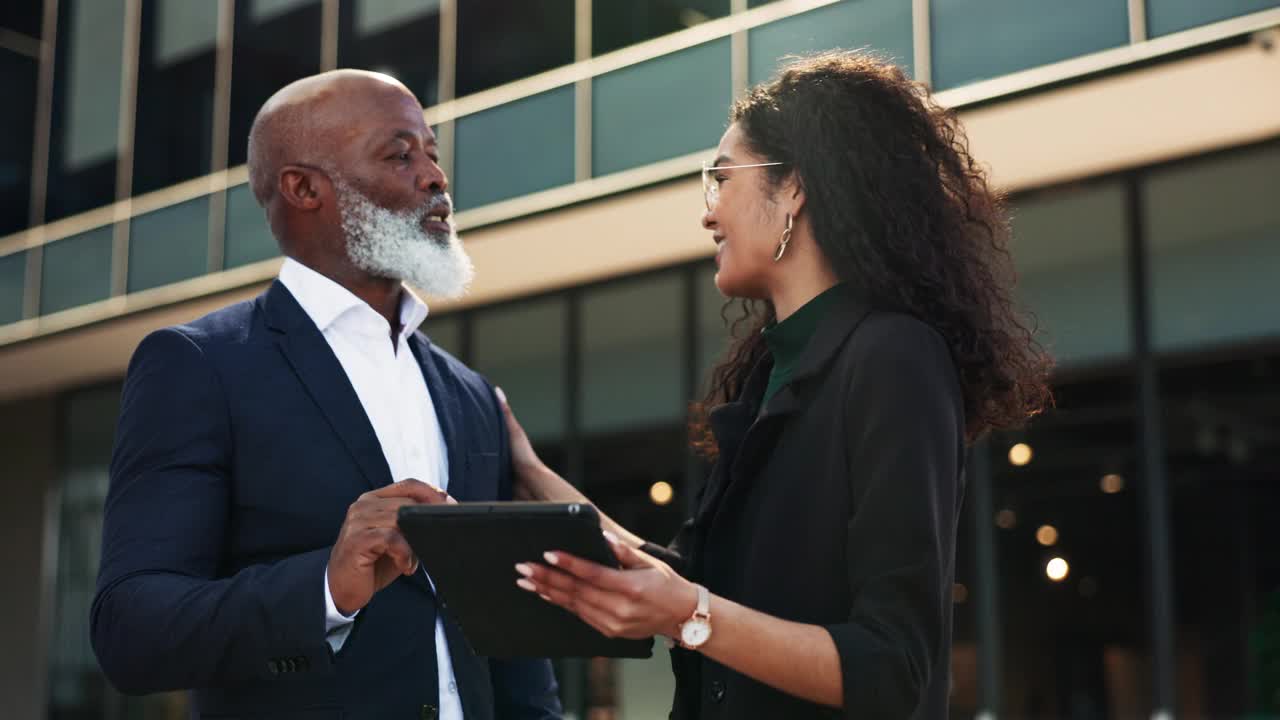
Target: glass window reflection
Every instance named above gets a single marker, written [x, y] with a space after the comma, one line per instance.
[618, 23]
[174, 116]
[501, 41]
[84, 142]
[262, 63]
[398, 37]
[13, 272]
[17, 131]
[1030, 32]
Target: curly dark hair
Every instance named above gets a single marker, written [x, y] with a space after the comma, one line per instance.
[904, 215]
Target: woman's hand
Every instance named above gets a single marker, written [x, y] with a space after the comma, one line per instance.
[643, 599]
[534, 481]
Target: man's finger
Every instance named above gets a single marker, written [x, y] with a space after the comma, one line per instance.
[398, 549]
[415, 490]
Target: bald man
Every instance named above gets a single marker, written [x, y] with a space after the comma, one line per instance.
[249, 549]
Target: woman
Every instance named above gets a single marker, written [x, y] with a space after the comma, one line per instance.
[815, 577]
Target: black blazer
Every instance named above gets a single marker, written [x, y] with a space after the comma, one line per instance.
[240, 445]
[837, 506]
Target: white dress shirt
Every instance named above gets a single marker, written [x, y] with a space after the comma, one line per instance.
[389, 383]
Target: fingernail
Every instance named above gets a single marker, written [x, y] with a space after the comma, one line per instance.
[612, 538]
[545, 597]
[501, 395]
[525, 584]
[552, 558]
[524, 569]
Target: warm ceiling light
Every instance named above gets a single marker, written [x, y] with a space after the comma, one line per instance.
[1006, 519]
[1111, 483]
[1020, 454]
[1047, 535]
[1057, 569]
[661, 493]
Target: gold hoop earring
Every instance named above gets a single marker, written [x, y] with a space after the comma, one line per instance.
[786, 238]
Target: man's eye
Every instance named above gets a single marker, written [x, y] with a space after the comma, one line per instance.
[720, 179]
[403, 156]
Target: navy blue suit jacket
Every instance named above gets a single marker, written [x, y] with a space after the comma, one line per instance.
[241, 444]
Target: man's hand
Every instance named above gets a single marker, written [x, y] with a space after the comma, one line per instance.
[370, 552]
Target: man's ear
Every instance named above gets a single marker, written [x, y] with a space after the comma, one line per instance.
[302, 187]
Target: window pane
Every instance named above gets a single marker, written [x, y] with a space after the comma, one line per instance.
[1075, 646]
[1224, 459]
[248, 237]
[631, 349]
[13, 273]
[521, 348]
[1070, 251]
[398, 37]
[76, 270]
[261, 64]
[619, 23]
[1169, 16]
[1213, 231]
[17, 127]
[77, 688]
[713, 332]
[169, 245]
[1030, 32]
[175, 92]
[445, 331]
[883, 26]
[633, 122]
[500, 41]
[82, 159]
[88, 426]
[514, 149]
[24, 16]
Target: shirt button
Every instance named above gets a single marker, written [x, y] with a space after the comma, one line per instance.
[428, 712]
[717, 691]
[453, 688]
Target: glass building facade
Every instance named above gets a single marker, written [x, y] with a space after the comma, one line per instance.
[1114, 559]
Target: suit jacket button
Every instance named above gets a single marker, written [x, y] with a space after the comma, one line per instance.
[428, 712]
[717, 691]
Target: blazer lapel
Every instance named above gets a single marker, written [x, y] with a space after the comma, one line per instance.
[444, 398]
[320, 372]
[761, 438]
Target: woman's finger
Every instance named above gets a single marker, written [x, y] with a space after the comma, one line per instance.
[593, 573]
[600, 612]
[629, 557]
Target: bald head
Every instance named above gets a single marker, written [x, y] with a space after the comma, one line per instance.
[305, 122]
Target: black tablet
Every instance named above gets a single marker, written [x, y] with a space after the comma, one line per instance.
[470, 551]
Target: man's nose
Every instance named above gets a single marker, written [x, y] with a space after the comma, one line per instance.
[432, 178]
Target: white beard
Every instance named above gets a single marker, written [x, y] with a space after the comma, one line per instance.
[390, 244]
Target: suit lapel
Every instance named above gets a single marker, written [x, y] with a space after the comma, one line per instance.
[320, 372]
[444, 398]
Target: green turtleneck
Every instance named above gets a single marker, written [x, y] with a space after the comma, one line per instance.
[788, 339]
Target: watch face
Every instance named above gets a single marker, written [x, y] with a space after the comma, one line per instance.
[695, 632]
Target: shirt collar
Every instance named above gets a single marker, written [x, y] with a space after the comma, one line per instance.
[325, 302]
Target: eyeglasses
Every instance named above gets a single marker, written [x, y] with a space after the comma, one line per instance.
[711, 189]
